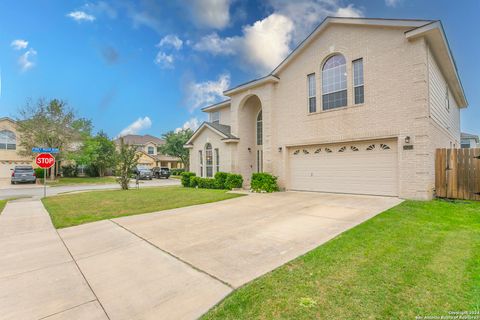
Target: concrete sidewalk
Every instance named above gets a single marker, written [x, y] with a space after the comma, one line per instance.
[38, 277]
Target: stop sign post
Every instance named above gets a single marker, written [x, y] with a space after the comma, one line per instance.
[45, 161]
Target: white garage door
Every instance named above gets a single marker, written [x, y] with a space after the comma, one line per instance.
[357, 167]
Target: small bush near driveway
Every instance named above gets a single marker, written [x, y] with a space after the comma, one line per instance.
[186, 178]
[264, 182]
[222, 180]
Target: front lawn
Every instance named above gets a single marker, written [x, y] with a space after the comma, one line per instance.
[416, 259]
[2, 205]
[64, 181]
[73, 209]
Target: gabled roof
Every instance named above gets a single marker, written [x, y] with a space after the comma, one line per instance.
[7, 119]
[222, 130]
[417, 28]
[217, 106]
[135, 139]
[464, 135]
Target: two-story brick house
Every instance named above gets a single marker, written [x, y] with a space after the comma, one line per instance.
[358, 107]
[9, 144]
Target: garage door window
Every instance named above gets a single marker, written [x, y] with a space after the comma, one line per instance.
[8, 140]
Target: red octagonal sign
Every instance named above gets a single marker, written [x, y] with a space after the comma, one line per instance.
[45, 160]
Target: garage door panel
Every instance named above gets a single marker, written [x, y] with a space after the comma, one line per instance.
[370, 170]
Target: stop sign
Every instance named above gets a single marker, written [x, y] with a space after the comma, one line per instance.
[45, 160]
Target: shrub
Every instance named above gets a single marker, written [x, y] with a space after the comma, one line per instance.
[193, 182]
[186, 178]
[69, 170]
[39, 173]
[233, 181]
[264, 182]
[177, 172]
[206, 183]
[91, 171]
[220, 179]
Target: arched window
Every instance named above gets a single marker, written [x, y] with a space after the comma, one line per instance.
[334, 82]
[259, 129]
[208, 161]
[8, 140]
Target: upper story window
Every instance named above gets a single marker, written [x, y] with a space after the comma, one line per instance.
[334, 82]
[215, 117]
[259, 129]
[208, 161]
[358, 87]
[312, 98]
[8, 140]
[151, 150]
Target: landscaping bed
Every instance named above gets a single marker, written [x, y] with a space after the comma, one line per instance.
[416, 259]
[74, 209]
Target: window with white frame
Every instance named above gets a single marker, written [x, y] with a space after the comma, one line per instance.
[259, 129]
[312, 98]
[334, 82]
[215, 117]
[200, 161]
[217, 160]
[151, 150]
[358, 86]
[8, 140]
[208, 161]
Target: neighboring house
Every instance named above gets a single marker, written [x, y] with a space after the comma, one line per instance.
[469, 140]
[9, 144]
[148, 147]
[358, 107]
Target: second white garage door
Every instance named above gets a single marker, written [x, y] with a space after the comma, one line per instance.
[357, 167]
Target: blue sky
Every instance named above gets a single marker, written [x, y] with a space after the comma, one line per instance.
[149, 66]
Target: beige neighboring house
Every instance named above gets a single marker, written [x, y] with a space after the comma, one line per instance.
[358, 107]
[469, 140]
[148, 147]
[9, 141]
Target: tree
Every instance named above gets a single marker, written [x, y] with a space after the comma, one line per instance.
[174, 145]
[50, 124]
[127, 160]
[97, 152]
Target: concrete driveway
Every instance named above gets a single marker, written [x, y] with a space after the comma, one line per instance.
[177, 264]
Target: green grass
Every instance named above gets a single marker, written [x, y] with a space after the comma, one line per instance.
[79, 180]
[416, 259]
[74, 209]
[2, 205]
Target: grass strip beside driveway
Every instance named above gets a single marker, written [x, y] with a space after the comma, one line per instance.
[64, 181]
[2, 205]
[416, 259]
[74, 209]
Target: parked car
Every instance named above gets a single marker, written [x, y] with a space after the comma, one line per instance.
[161, 172]
[23, 174]
[144, 174]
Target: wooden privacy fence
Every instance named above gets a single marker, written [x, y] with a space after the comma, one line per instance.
[457, 173]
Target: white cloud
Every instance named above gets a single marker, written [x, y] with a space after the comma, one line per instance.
[26, 60]
[210, 13]
[171, 40]
[163, 60]
[275, 30]
[265, 43]
[80, 16]
[136, 126]
[19, 44]
[215, 45]
[201, 94]
[192, 123]
[349, 11]
[392, 3]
